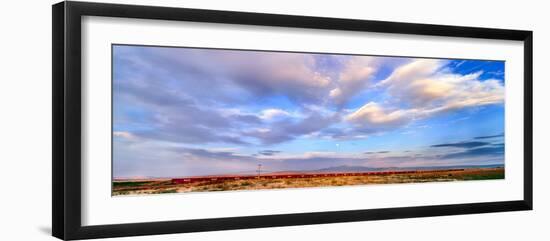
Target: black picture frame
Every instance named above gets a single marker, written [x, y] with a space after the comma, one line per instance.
[66, 128]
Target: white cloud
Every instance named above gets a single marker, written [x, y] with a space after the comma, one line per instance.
[427, 84]
[124, 134]
[422, 88]
[354, 77]
[373, 115]
[269, 114]
[293, 75]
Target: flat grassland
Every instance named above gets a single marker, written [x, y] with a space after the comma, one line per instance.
[159, 186]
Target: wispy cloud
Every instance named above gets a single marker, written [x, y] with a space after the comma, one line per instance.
[374, 117]
[470, 144]
[268, 152]
[489, 137]
[426, 87]
[356, 75]
[273, 113]
[474, 152]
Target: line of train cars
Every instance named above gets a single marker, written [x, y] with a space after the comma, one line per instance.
[213, 179]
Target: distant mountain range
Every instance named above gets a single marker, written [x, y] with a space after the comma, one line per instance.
[353, 169]
[374, 169]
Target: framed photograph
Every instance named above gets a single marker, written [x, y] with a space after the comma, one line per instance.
[170, 120]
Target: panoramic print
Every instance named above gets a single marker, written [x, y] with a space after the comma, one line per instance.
[203, 120]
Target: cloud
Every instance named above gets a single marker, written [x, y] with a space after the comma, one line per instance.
[289, 74]
[489, 137]
[273, 113]
[471, 149]
[263, 74]
[339, 133]
[236, 74]
[173, 90]
[423, 88]
[353, 78]
[470, 144]
[268, 152]
[289, 129]
[373, 117]
[250, 119]
[428, 84]
[207, 153]
[124, 134]
[155, 159]
[173, 116]
[173, 86]
[475, 152]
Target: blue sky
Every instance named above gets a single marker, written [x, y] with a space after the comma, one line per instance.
[190, 111]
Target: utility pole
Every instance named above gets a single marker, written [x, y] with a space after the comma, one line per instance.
[259, 171]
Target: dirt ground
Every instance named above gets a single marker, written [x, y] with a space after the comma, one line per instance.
[166, 186]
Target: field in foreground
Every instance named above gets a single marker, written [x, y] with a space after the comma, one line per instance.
[205, 184]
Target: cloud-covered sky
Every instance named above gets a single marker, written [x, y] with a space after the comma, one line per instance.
[191, 111]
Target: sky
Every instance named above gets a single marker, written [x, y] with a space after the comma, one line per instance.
[191, 111]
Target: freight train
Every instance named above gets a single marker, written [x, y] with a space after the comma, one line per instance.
[294, 175]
